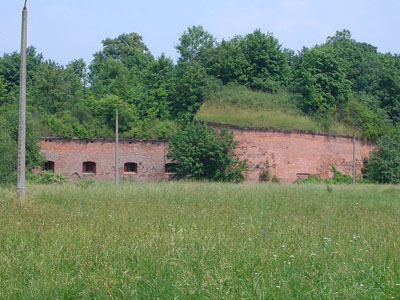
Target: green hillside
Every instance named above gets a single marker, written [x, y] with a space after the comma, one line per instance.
[246, 108]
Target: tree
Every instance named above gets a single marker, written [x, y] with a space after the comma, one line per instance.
[255, 60]
[8, 157]
[195, 44]
[187, 95]
[321, 80]
[202, 153]
[383, 166]
[8, 143]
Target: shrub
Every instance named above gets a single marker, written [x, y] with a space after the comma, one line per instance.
[338, 178]
[46, 177]
[383, 166]
[203, 153]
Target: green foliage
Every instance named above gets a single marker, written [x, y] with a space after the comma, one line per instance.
[195, 44]
[321, 80]
[46, 177]
[189, 85]
[383, 166]
[202, 153]
[8, 157]
[255, 60]
[338, 178]
[8, 143]
[343, 86]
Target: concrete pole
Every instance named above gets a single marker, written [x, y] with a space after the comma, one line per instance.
[116, 147]
[22, 109]
[354, 159]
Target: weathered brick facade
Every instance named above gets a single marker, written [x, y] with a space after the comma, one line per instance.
[290, 155]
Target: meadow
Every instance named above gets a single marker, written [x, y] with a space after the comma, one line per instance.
[200, 241]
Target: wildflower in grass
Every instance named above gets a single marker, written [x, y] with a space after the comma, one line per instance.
[278, 286]
[313, 254]
[291, 256]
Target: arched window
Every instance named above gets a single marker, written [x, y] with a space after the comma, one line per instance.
[89, 167]
[49, 166]
[169, 168]
[130, 167]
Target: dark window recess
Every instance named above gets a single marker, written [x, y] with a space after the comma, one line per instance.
[89, 167]
[49, 166]
[169, 168]
[130, 167]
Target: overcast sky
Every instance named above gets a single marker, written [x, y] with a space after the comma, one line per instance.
[64, 30]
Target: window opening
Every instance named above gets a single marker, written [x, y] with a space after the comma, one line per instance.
[49, 166]
[130, 167]
[89, 167]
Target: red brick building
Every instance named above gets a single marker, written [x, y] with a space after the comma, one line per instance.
[289, 155]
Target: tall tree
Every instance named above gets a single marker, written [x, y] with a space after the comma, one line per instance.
[195, 44]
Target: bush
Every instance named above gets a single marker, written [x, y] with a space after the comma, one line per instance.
[383, 166]
[202, 153]
[46, 177]
[338, 178]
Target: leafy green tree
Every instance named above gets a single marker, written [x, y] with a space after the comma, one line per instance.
[321, 80]
[188, 90]
[8, 157]
[383, 166]
[255, 60]
[202, 153]
[8, 143]
[195, 44]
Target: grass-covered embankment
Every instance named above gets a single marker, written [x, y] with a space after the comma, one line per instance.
[200, 240]
[242, 107]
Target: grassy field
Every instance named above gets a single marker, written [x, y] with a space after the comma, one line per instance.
[200, 240]
[246, 108]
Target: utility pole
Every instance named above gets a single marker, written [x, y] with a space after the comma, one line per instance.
[354, 159]
[116, 146]
[22, 109]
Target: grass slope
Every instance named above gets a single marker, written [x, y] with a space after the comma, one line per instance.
[246, 108]
[200, 240]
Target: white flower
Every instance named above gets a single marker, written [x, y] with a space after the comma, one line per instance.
[291, 256]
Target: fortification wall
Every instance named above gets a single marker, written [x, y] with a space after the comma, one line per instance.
[297, 155]
[69, 155]
[289, 155]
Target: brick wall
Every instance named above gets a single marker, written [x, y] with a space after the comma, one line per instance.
[290, 155]
[294, 155]
[69, 156]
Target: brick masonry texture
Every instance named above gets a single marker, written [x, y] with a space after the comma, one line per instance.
[289, 155]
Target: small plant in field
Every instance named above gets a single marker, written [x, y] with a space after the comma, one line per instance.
[266, 175]
[338, 178]
[46, 177]
[310, 179]
[275, 179]
[266, 172]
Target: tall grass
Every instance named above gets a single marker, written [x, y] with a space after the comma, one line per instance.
[200, 240]
[243, 107]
